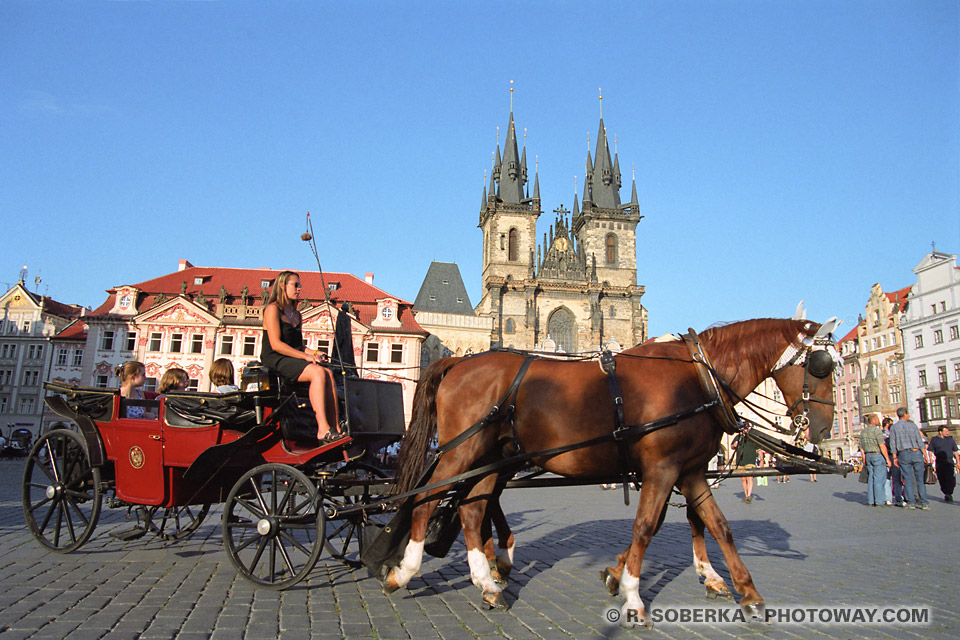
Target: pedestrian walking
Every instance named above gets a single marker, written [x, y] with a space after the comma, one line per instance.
[875, 458]
[906, 442]
[947, 458]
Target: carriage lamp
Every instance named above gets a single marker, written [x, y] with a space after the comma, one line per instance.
[256, 378]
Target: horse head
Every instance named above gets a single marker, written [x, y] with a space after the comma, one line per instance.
[804, 373]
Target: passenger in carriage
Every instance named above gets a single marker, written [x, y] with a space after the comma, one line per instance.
[283, 350]
[222, 377]
[174, 379]
[132, 374]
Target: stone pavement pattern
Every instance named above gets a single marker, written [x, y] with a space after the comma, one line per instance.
[805, 543]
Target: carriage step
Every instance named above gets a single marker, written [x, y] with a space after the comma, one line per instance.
[128, 534]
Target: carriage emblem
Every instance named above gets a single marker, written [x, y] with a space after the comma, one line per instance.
[136, 457]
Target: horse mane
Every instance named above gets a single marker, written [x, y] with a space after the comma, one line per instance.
[751, 347]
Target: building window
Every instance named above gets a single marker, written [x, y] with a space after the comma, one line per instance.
[952, 412]
[510, 326]
[264, 284]
[35, 352]
[611, 250]
[149, 384]
[78, 357]
[933, 308]
[323, 346]
[954, 332]
[866, 397]
[9, 351]
[938, 336]
[843, 395]
[922, 377]
[26, 328]
[895, 395]
[396, 353]
[131, 341]
[943, 306]
[956, 372]
[226, 346]
[101, 382]
[513, 250]
[155, 341]
[30, 378]
[918, 341]
[193, 385]
[3, 405]
[936, 409]
[249, 345]
[176, 343]
[883, 340]
[61, 357]
[942, 377]
[373, 352]
[5, 376]
[198, 280]
[106, 341]
[27, 405]
[196, 343]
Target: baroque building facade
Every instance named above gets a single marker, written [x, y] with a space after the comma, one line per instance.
[27, 322]
[931, 339]
[577, 290]
[191, 317]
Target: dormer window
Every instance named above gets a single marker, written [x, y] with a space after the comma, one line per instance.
[264, 284]
[198, 280]
[333, 286]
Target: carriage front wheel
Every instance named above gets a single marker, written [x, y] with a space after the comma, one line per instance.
[273, 526]
[61, 491]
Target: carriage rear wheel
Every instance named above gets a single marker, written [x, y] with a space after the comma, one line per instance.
[273, 526]
[351, 486]
[61, 491]
[174, 523]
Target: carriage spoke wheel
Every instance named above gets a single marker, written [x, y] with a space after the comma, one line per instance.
[272, 527]
[174, 523]
[61, 491]
[345, 534]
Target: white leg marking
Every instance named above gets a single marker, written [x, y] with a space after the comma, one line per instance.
[704, 568]
[412, 557]
[505, 556]
[480, 571]
[632, 609]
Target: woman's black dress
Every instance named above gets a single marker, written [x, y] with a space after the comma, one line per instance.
[289, 368]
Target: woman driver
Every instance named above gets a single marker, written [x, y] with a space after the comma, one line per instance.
[283, 350]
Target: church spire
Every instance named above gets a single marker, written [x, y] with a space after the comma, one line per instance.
[604, 180]
[510, 176]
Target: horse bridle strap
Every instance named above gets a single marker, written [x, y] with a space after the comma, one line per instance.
[708, 382]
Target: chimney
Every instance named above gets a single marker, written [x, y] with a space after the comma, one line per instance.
[368, 277]
[184, 264]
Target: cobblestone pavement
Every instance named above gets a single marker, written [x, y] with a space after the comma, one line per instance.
[807, 545]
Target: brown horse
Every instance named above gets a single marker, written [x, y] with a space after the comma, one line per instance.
[561, 403]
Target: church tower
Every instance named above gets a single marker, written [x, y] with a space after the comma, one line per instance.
[508, 219]
[576, 292]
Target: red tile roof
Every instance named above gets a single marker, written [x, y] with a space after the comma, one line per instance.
[73, 331]
[362, 295]
[899, 297]
[851, 335]
[56, 308]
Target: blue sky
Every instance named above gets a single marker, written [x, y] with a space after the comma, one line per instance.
[783, 150]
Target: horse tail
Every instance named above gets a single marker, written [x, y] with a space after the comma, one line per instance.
[423, 426]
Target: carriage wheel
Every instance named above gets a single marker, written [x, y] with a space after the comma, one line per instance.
[61, 491]
[174, 523]
[344, 539]
[272, 526]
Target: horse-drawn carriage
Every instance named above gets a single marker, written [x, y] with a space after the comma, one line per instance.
[286, 495]
[653, 414]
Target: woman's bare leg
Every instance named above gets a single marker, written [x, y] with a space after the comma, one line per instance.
[323, 397]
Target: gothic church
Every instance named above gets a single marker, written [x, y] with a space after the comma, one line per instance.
[577, 291]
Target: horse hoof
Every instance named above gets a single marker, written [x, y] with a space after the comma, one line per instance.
[498, 580]
[713, 594]
[389, 584]
[495, 601]
[753, 610]
[611, 583]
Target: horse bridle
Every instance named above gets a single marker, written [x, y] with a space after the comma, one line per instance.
[819, 358]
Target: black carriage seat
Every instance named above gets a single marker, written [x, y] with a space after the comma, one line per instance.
[95, 403]
[195, 409]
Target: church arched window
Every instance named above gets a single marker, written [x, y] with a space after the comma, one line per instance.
[562, 328]
[510, 326]
[513, 250]
[611, 250]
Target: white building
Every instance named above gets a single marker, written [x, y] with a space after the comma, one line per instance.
[27, 321]
[931, 337]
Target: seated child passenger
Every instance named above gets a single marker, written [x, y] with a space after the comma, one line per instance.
[132, 375]
[173, 380]
[221, 376]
